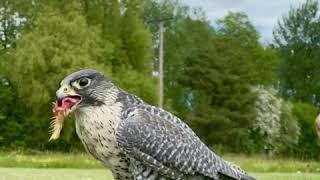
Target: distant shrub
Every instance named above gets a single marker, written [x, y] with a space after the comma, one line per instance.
[275, 128]
[308, 144]
[268, 111]
[11, 116]
[290, 130]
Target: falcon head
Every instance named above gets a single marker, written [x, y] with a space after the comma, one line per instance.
[81, 89]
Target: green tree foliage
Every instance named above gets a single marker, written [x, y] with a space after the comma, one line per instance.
[13, 15]
[208, 73]
[221, 96]
[180, 40]
[11, 21]
[11, 116]
[181, 33]
[237, 28]
[308, 145]
[62, 42]
[136, 39]
[290, 129]
[107, 14]
[122, 25]
[134, 65]
[296, 38]
[225, 65]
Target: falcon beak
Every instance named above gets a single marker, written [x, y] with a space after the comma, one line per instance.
[67, 100]
[65, 91]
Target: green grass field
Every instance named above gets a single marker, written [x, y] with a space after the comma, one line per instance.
[84, 161]
[59, 166]
[100, 174]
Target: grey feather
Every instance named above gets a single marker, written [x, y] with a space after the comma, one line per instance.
[138, 141]
[160, 140]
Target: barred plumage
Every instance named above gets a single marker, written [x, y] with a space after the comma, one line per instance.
[139, 141]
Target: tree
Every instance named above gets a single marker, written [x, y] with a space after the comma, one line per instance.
[181, 33]
[208, 73]
[237, 24]
[262, 61]
[308, 145]
[275, 129]
[11, 21]
[220, 96]
[122, 25]
[296, 38]
[62, 40]
[180, 46]
[59, 45]
[221, 73]
[11, 116]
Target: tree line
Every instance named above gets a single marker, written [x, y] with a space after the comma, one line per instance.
[238, 94]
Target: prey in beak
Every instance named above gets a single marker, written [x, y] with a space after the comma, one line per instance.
[66, 103]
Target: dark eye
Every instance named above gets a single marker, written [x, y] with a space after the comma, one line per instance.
[83, 82]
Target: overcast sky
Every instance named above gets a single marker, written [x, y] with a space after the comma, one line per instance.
[262, 13]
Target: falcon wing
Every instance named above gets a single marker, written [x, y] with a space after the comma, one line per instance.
[163, 142]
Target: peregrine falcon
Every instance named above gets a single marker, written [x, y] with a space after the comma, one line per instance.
[135, 140]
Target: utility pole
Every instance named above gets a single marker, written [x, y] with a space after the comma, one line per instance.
[161, 64]
[161, 22]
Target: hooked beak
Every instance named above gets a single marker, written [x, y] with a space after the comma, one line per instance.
[67, 100]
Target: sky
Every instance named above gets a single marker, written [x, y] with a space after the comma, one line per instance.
[264, 14]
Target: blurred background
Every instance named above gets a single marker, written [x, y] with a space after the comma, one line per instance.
[249, 88]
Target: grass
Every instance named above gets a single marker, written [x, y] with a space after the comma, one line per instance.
[53, 174]
[100, 174]
[267, 164]
[54, 166]
[84, 161]
[286, 176]
[48, 160]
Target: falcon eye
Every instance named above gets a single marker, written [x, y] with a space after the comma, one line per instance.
[83, 82]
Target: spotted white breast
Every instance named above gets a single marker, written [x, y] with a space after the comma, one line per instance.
[95, 127]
